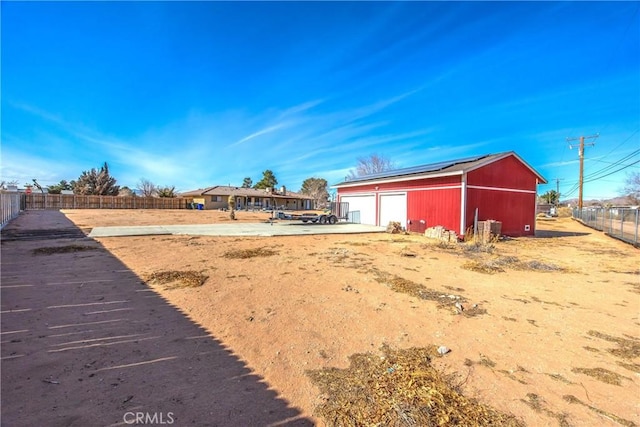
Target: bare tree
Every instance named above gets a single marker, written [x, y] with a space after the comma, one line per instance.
[316, 188]
[374, 163]
[5, 184]
[147, 188]
[632, 188]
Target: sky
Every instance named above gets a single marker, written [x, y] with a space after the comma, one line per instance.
[196, 94]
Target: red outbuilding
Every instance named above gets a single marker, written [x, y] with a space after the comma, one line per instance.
[500, 187]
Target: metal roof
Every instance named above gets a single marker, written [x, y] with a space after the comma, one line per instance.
[452, 167]
[432, 167]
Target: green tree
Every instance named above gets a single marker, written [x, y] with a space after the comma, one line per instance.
[551, 197]
[57, 188]
[247, 183]
[97, 183]
[316, 188]
[268, 180]
[126, 192]
[374, 163]
[166, 191]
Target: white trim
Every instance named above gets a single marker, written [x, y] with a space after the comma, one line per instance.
[451, 187]
[403, 190]
[392, 193]
[373, 193]
[514, 190]
[535, 210]
[397, 179]
[379, 204]
[463, 203]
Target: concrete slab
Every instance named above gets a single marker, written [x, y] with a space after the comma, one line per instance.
[236, 229]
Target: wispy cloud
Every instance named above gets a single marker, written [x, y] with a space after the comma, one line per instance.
[261, 132]
[557, 164]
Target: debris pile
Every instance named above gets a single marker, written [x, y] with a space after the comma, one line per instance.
[398, 388]
[394, 227]
[489, 231]
[177, 279]
[440, 233]
[249, 253]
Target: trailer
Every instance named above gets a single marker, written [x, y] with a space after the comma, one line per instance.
[336, 212]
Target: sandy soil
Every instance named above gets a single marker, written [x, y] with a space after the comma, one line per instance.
[320, 299]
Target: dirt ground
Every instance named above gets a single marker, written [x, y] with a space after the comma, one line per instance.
[559, 342]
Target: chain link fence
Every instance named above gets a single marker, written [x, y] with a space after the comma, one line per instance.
[621, 223]
[9, 207]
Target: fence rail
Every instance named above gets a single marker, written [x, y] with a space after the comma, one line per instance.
[621, 223]
[9, 207]
[74, 201]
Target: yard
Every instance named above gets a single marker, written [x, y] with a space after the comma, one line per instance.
[544, 328]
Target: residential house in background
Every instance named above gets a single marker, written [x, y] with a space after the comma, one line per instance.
[217, 197]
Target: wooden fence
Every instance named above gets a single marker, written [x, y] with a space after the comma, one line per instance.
[72, 201]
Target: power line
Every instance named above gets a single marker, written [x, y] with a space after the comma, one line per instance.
[592, 177]
[614, 164]
[622, 143]
[611, 173]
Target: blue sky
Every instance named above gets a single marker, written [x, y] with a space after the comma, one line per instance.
[204, 93]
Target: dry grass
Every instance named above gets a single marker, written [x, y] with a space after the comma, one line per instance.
[560, 378]
[601, 374]
[485, 361]
[63, 249]
[177, 279]
[574, 400]
[486, 267]
[536, 403]
[630, 366]
[444, 300]
[399, 388]
[498, 265]
[628, 348]
[249, 253]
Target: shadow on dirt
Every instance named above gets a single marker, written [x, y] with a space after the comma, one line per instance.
[548, 234]
[86, 342]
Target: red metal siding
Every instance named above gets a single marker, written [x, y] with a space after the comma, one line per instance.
[435, 207]
[513, 209]
[505, 173]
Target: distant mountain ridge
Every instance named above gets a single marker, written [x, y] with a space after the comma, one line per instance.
[616, 201]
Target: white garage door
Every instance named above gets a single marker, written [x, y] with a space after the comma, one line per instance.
[363, 207]
[393, 207]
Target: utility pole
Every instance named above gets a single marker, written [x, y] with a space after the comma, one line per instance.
[581, 155]
[558, 190]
